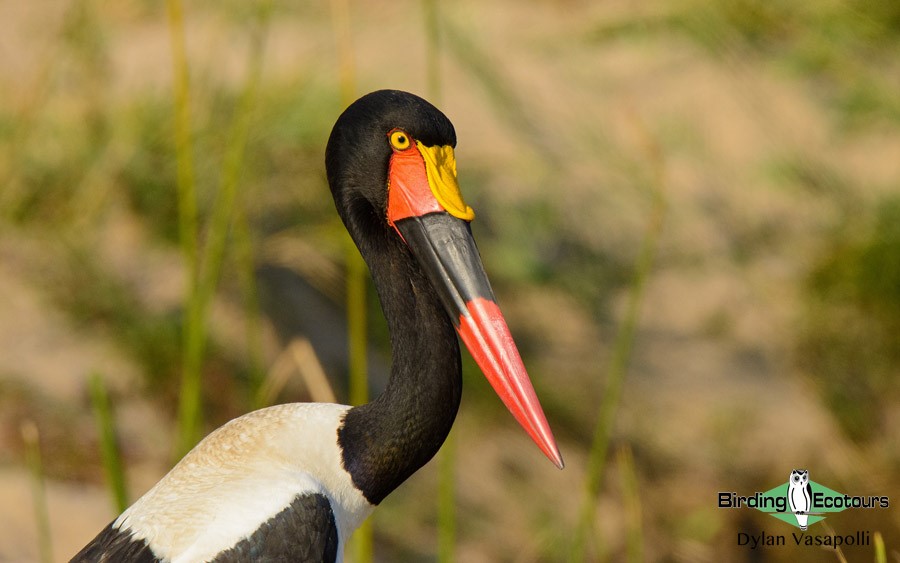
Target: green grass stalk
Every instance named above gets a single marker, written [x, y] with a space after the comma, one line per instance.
[621, 351]
[838, 552]
[356, 267]
[634, 540]
[356, 327]
[446, 508]
[447, 501]
[362, 542]
[189, 407]
[244, 254]
[226, 210]
[206, 272]
[32, 441]
[189, 404]
[246, 266]
[880, 552]
[112, 457]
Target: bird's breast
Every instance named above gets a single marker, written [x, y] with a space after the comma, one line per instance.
[241, 476]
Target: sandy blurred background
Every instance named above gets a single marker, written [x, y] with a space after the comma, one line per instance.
[749, 148]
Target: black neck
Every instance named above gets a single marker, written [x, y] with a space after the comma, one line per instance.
[388, 439]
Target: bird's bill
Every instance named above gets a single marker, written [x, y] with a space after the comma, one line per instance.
[438, 234]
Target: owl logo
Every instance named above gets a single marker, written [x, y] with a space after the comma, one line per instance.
[799, 494]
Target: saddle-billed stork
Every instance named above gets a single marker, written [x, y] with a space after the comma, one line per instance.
[292, 482]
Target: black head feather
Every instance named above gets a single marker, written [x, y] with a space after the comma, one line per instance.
[358, 153]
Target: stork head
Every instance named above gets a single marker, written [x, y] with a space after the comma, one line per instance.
[392, 171]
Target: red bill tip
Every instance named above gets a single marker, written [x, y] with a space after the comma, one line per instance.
[486, 335]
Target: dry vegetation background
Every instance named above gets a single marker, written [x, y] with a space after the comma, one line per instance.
[761, 136]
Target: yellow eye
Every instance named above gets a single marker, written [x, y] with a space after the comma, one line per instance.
[399, 139]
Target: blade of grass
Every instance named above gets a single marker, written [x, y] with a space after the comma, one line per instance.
[276, 378]
[622, 347]
[447, 501]
[299, 356]
[189, 404]
[364, 538]
[632, 499]
[311, 371]
[356, 267]
[362, 542]
[112, 457]
[226, 210]
[32, 440]
[838, 552]
[356, 324]
[880, 552]
[206, 274]
[446, 509]
[246, 266]
[244, 251]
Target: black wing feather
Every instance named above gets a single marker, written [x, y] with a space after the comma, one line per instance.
[113, 545]
[305, 532]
